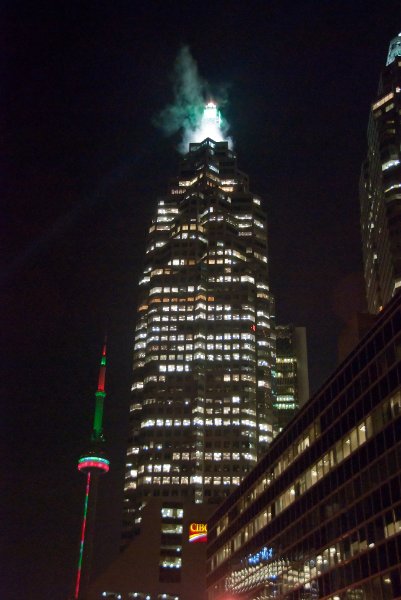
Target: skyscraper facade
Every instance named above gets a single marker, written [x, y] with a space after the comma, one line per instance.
[380, 187]
[201, 409]
[291, 374]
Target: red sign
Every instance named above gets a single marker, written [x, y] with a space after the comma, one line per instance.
[198, 532]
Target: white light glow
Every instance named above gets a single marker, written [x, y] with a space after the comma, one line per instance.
[211, 126]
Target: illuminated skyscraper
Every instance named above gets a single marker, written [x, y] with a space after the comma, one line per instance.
[201, 409]
[201, 412]
[380, 187]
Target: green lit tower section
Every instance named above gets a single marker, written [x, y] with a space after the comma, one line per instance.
[93, 463]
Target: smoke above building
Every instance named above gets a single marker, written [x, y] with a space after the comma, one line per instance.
[192, 112]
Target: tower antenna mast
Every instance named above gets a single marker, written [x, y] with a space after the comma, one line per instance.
[93, 463]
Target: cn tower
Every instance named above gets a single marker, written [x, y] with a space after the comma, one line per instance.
[93, 463]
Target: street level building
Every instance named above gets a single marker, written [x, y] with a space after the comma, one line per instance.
[380, 187]
[166, 561]
[320, 515]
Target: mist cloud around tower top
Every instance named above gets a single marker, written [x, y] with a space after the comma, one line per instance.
[192, 112]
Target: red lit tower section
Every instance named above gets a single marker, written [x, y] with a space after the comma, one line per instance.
[93, 463]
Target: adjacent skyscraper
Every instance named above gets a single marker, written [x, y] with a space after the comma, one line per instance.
[201, 411]
[291, 374]
[380, 187]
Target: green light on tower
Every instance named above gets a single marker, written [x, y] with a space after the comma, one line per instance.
[97, 434]
[98, 418]
[94, 463]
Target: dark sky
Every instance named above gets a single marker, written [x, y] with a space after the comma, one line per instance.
[82, 168]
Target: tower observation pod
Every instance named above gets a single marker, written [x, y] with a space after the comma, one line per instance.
[92, 463]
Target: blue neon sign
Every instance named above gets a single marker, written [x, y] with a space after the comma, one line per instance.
[263, 555]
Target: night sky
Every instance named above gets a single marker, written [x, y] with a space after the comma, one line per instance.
[83, 165]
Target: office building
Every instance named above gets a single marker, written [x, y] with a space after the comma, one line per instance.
[165, 561]
[380, 187]
[291, 388]
[201, 412]
[320, 515]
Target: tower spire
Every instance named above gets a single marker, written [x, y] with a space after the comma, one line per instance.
[97, 433]
[93, 463]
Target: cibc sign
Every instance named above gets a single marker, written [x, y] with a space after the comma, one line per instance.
[198, 532]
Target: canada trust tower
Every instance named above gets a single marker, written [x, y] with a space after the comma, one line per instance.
[201, 412]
